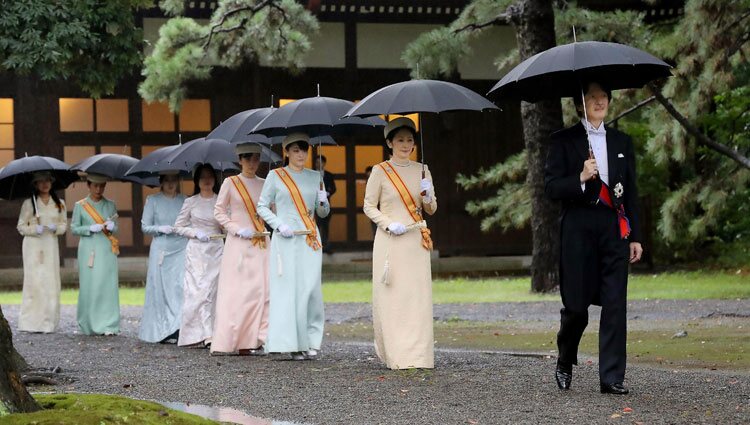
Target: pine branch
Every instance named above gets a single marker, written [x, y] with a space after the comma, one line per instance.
[629, 111]
[254, 9]
[510, 15]
[695, 132]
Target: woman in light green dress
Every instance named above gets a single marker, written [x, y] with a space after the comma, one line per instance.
[296, 317]
[98, 298]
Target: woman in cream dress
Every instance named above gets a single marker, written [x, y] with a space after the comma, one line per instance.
[42, 220]
[401, 270]
[202, 259]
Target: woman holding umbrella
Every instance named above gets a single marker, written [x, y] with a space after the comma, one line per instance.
[242, 299]
[395, 197]
[43, 218]
[166, 263]
[202, 258]
[296, 305]
[94, 220]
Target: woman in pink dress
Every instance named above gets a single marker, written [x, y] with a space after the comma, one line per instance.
[241, 323]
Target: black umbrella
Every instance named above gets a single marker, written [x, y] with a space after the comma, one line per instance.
[315, 116]
[559, 71]
[114, 166]
[144, 167]
[419, 96]
[236, 128]
[15, 178]
[219, 153]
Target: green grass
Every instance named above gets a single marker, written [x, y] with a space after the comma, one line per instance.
[708, 345]
[96, 409]
[682, 285]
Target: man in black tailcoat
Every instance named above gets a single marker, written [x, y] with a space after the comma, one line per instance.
[600, 235]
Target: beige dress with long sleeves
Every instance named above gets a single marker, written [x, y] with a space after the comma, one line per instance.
[402, 300]
[40, 302]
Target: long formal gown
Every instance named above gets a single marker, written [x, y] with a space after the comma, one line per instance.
[202, 264]
[402, 300]
[166, 269]
[40, 301]
[242, 298]
[98, 296]
[296, 310]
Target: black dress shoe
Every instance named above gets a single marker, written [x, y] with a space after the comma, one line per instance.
[616, 388]
[563, 376]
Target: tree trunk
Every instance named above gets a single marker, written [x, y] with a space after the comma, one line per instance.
[535, 32]
[13, 395]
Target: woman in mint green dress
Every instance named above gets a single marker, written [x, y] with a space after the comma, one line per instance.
[296, 317]
[98, 299]
[166, 264]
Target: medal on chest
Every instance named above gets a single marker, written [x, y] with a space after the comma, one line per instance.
[618, 190]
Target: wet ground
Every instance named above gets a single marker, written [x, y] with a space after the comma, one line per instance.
[348, 385]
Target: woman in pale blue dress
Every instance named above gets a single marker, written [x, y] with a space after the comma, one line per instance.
[296, 311]
[98, 310]
[166, 264]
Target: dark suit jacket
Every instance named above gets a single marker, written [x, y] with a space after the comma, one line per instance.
[567, 153]
[329, 183]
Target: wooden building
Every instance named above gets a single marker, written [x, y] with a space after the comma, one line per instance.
[357, 50]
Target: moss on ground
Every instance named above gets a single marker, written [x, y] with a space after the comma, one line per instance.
[96, 409]
[707, 345]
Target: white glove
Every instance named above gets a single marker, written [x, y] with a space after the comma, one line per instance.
[425, 186]
[52, 227]
[202, 236]
[397, 228]
[285, 231]
[96, 228]
[167, 230]
[110, 225]
[245, 233]
[39, 229]
[323, 196]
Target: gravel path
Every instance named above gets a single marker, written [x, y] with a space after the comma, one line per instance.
[348, 385]
[549, 311]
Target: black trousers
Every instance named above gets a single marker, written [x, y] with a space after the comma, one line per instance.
[594, 270]
[323, 225]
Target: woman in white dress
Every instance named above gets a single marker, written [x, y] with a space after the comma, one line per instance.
[42, 220]
[202, 259]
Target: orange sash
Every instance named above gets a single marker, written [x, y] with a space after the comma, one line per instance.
[408, 201]
[299, 202]
[99, 220]
[259, 241]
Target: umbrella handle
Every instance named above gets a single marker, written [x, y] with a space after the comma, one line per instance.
[321, 188]
[424, 192]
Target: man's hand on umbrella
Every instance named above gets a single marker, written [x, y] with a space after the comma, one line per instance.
[635, 252]
[590, 170]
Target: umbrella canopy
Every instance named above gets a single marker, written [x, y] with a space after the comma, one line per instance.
[219, 153]
[416, 96]
[419, 96]
[236, 128]
[144, 167]
[559, 71]
[15, 178]
[114, 166]
[316, 116]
